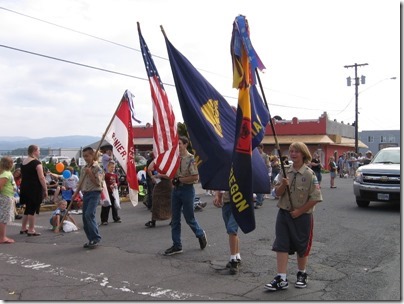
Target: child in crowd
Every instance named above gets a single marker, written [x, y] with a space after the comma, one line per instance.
[7, 185]
[112, 181]
[69, 185]
[17, 207]
[58, 214]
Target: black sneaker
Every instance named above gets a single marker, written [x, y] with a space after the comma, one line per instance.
[91, 245]
[172, 250]
[228, 265]
[203, 241]
[202, 205]
[150, 224]
[277, 284]
[301, 281]
[234, 265]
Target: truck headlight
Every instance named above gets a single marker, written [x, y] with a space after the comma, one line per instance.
[358, 177]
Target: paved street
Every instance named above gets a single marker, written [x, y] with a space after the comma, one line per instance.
[355, 256]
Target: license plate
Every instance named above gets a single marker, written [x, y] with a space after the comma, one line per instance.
[383, 196]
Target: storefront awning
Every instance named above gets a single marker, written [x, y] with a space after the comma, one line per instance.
[312, 139]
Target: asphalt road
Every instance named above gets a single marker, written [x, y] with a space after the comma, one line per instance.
[355, 256]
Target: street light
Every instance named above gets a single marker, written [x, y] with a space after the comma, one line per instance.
[356, 97]
[388, 78]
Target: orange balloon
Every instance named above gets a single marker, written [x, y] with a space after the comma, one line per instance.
[60, 167]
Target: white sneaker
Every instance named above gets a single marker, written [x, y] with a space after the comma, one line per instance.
[73, 211]
[79, 211]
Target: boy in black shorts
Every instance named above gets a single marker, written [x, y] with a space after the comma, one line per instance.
[294, 222]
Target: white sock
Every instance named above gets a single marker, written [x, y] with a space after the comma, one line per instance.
[233, 257]
[238, 256]
[283, 276]
[304, 270]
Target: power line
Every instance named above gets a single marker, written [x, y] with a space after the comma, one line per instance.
[120, 45]
[73, 30]
[72, 62]
[128, 75]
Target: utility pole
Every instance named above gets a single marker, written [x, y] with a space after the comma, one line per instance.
[356, 97]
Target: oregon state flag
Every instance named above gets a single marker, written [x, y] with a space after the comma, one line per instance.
[245, 61]
[211, 124]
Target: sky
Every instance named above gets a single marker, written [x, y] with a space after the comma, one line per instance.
[303, 44]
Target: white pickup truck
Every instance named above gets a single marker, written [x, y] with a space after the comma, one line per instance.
[380, 179]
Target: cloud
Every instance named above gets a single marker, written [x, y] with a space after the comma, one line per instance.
[304, 45]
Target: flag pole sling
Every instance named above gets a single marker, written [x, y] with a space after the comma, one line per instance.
[95, 157]
[275, 137]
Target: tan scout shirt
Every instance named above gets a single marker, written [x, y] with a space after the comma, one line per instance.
[303, 186]
[187, 166]
[88, 184]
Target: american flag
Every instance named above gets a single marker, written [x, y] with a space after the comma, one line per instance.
[165, 136]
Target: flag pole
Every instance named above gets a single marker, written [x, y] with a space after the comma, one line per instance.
[162, 30]
[275, 137]
[95, 157]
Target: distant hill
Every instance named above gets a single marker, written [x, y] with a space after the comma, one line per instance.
[73, 141]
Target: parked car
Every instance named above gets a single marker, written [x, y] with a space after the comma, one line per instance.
[56, 159]
[379, 180]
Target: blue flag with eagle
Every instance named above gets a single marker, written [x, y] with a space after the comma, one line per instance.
[245, 61]
[211, 122]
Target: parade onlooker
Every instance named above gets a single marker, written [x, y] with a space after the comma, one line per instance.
[52, 183]
[75, 167]
[61, 213]
[222, 200]
[18, 206]
[69, 183]
[265, 158]
[17, 178]
[333, 171]
[33, 189]
[7, 186]
[209, 192]
[276, 167]
[106, 157]
[18, 163]
[355, 164]
[368, 157]
[161, 197]
[294, 222]
[182, 199]
[112, 181]
[149, 181]
[90, 184]
[316, 167]
[341, 165]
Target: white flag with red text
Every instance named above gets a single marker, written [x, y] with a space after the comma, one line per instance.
[120, 136]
